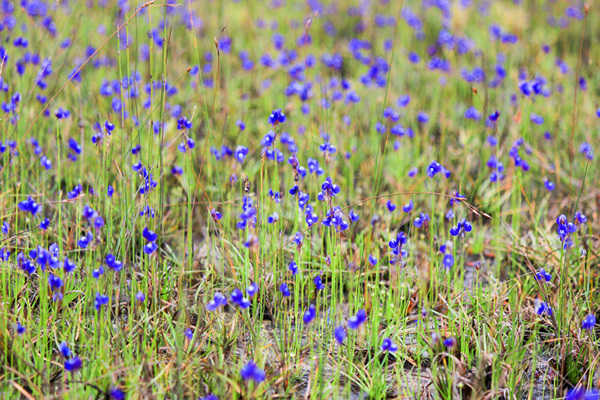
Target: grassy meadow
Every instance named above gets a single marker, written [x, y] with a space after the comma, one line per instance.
[320, 199]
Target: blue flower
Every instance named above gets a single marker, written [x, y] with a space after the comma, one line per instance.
[293, 267]
[388, 345]
[357, 320]
[450, 342]
[328, 189]
[285, 291]
[100, 301]
[403, 100]
[218, 300]
[68, 265]
[372, 260]
[251, 371]
[44, 224]
[237, 297]
[420, 220]
[543, 275]
[216, 215]
[64, 350]
[589, 322]
[448, 261]
[310, 314]
[117, 394]
[536, 119]
[577, 393]
[149, 235]
[340, 334]
[298, 239]
[55, 284]
[473, 114]
[542, 308]
[240, 153]
[19, 328]
[29, 205]
[113, 263]
[435, 167]
[98, 272]
[318, 283]
[586, 150]
[252, 289]
[276, 117]
[390, 206]
[73, 364]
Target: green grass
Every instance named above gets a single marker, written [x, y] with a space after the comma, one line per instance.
[485, 301]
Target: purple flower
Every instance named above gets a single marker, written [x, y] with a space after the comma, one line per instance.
[19, 328]
[357, 320]
[276, 117]
[64, 350]
[390, 206]
[589, 322]
[284, 289]
[251, 371]
[237, 297]
[310, 314]
[542, 275]
[218, 300]
[73, 364]
[140, 297]
[450, 342]
[448, 261]
[293, 267]
[318, 283]
[252, 289]
[117, 394]
[542, 308]
[372, 260]
[100, 301]
[340, 334]
[388, 345]
[473, 114]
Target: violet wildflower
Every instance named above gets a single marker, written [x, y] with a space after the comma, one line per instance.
[390, 206]
[589, 322]
[388, 345]
[252, 289]
[542, 275]
[284, 289]
[449, 342]
[73, 364]
[251, 371]
[340, 334]
[276, 117]
[140, 297]
[318, 283]
[100, 300]
[357, 320]
[217, 301]
[542, 308]
[20, 329]
[237, 297]
[309, 314]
